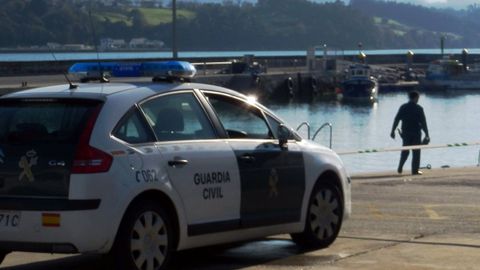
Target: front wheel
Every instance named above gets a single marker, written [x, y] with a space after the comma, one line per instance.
[324, 218]
[145, 239]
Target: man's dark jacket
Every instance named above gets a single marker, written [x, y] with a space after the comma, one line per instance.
[413, 120]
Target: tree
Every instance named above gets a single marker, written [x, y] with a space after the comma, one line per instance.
[38, 7]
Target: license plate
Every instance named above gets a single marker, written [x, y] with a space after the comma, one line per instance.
[9, 220]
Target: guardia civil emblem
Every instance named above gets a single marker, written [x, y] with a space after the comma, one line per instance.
[273, 183]
[26, 163]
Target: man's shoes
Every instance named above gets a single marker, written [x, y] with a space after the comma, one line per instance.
[417, 173]
[399, 170]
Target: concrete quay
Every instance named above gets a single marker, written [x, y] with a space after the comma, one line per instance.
[272, 85]
[12, 68]
[399, 222]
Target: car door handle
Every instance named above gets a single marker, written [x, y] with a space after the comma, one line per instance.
[177, 162]
[247, 158]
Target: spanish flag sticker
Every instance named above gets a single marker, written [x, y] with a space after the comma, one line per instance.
[50, 220]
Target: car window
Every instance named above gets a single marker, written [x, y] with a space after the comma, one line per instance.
[133, 129]
[240, 119]
[178, 117]
[274, 125]
[43, 120]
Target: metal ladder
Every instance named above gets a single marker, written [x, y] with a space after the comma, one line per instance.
[306, 124]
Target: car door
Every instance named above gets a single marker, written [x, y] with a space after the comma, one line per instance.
[202, 167]
[272, 177]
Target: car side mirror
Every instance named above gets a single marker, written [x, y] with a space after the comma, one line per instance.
[284, 134]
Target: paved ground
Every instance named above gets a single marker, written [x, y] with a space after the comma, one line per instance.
[399, 222]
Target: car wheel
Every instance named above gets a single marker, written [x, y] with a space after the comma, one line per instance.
[3, 254]
[145, 239]
[324, 218]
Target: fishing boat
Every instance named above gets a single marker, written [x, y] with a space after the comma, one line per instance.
[448, 74]
[359, 85]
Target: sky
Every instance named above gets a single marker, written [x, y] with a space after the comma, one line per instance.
[443, 3]
[458, 4]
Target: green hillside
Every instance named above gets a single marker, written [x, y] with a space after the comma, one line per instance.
[420, 26]
[265, 25]
[152, 16]
[396, 27]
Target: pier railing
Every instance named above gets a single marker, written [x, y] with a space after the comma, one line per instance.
[306, 124]
[330, 126]
[412, 147]
[383, 150]
[404, 148]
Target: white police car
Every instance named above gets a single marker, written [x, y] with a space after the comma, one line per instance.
[142, 170]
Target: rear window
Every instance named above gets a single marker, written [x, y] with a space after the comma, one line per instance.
[43, 120]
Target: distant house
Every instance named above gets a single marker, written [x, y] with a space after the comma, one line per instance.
[54, 45]
[109, 43]
[152, 3]
[75, 47]
[136, 3]
[118, 43]
[143, 43]
[155, 44]
[137, 43]
[108, 3]
[130, 3]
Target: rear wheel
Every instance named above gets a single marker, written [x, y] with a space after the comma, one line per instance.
[324, 218]
[145, 239]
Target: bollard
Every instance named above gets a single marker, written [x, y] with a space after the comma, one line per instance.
[478, 163]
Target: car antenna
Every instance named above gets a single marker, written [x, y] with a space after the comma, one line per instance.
[102, 78]
[72, 86]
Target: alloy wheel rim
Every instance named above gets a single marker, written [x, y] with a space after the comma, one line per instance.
[324, 218]
[149, 241]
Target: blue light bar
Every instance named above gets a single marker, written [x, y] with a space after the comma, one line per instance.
[169, 69]
[179, 69]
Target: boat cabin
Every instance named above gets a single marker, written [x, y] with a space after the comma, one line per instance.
[359, 71]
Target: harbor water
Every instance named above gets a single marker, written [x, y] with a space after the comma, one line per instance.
[48, 56]
[452, 118]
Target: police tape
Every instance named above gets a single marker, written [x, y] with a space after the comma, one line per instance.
[403, 148]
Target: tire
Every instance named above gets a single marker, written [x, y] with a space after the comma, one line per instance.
[3, 254]
[324, 218]
[145, 239]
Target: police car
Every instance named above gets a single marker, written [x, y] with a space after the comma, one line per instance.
[139, 171]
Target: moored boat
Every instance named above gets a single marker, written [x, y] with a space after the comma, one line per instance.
[359, 85]
[447, 74]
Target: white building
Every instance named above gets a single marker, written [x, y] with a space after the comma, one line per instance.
[109, 43]
[142, 43]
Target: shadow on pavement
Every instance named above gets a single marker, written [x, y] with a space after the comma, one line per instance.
[90, 262]
[413, 241]
[225, 257]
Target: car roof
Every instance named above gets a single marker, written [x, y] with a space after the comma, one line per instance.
[103, 90]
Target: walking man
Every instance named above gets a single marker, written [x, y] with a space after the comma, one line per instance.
[413, 122]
